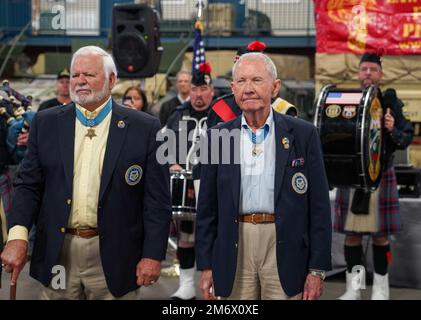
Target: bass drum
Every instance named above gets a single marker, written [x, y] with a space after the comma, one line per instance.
[349, 122]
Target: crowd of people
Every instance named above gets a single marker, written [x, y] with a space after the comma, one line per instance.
[98, 201]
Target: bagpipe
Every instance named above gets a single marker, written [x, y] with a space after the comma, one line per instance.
[16, 109]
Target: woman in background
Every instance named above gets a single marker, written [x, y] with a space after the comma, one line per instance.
[135, 98]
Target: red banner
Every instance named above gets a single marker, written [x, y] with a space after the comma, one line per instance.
[392, 26]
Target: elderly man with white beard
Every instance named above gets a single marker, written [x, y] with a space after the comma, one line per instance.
[92, 184]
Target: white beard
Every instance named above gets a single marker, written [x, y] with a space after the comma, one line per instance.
[84, 100]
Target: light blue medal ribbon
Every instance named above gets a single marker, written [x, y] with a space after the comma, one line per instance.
[257, 139]
[98, 119]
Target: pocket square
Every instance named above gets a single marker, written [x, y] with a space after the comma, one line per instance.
[297, 162]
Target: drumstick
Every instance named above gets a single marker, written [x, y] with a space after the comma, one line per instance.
[13, 290]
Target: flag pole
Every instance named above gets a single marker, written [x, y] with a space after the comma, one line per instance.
[200, 6]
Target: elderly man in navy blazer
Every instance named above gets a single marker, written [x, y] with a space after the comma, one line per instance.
[263, 221]
[91, 183]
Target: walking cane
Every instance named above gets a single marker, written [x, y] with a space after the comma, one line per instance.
[13, 289]
[2, 241]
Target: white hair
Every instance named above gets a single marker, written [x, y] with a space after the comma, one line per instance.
[269, 65]
[107, 59]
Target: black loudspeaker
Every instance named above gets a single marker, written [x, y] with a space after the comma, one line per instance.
[136, 41]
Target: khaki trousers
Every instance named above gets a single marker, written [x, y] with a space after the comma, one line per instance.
[84, 276]
[256, 276]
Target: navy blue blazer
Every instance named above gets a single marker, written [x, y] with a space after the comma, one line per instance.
[133, 221]
[303, 221]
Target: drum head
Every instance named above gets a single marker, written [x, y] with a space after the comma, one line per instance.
[372, 142]
[349, 125]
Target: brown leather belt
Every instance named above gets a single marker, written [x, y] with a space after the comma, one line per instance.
[83, 232]
[257, 218]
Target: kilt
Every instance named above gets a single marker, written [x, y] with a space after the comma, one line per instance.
[187, 230]
[388, 207]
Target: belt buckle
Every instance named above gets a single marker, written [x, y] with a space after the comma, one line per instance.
[80, 230]
[252, 218]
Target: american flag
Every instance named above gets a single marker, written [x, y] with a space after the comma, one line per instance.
[344, 97]
[199, 56]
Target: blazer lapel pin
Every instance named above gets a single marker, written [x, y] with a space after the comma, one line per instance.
[121, 124]
[285, 143]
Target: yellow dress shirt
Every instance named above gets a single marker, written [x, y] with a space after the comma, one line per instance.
[87, 169]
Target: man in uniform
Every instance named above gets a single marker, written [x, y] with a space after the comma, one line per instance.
[263, 219]
[62, 91]
[398, 135]
[91, 183]
[201, 95]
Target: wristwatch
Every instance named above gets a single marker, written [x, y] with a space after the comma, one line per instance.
[318, 273]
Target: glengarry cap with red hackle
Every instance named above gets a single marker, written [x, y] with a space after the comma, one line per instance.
[203, 75]
[256, 46]
[373, 57]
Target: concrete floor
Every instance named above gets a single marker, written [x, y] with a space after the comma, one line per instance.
[28, 288]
